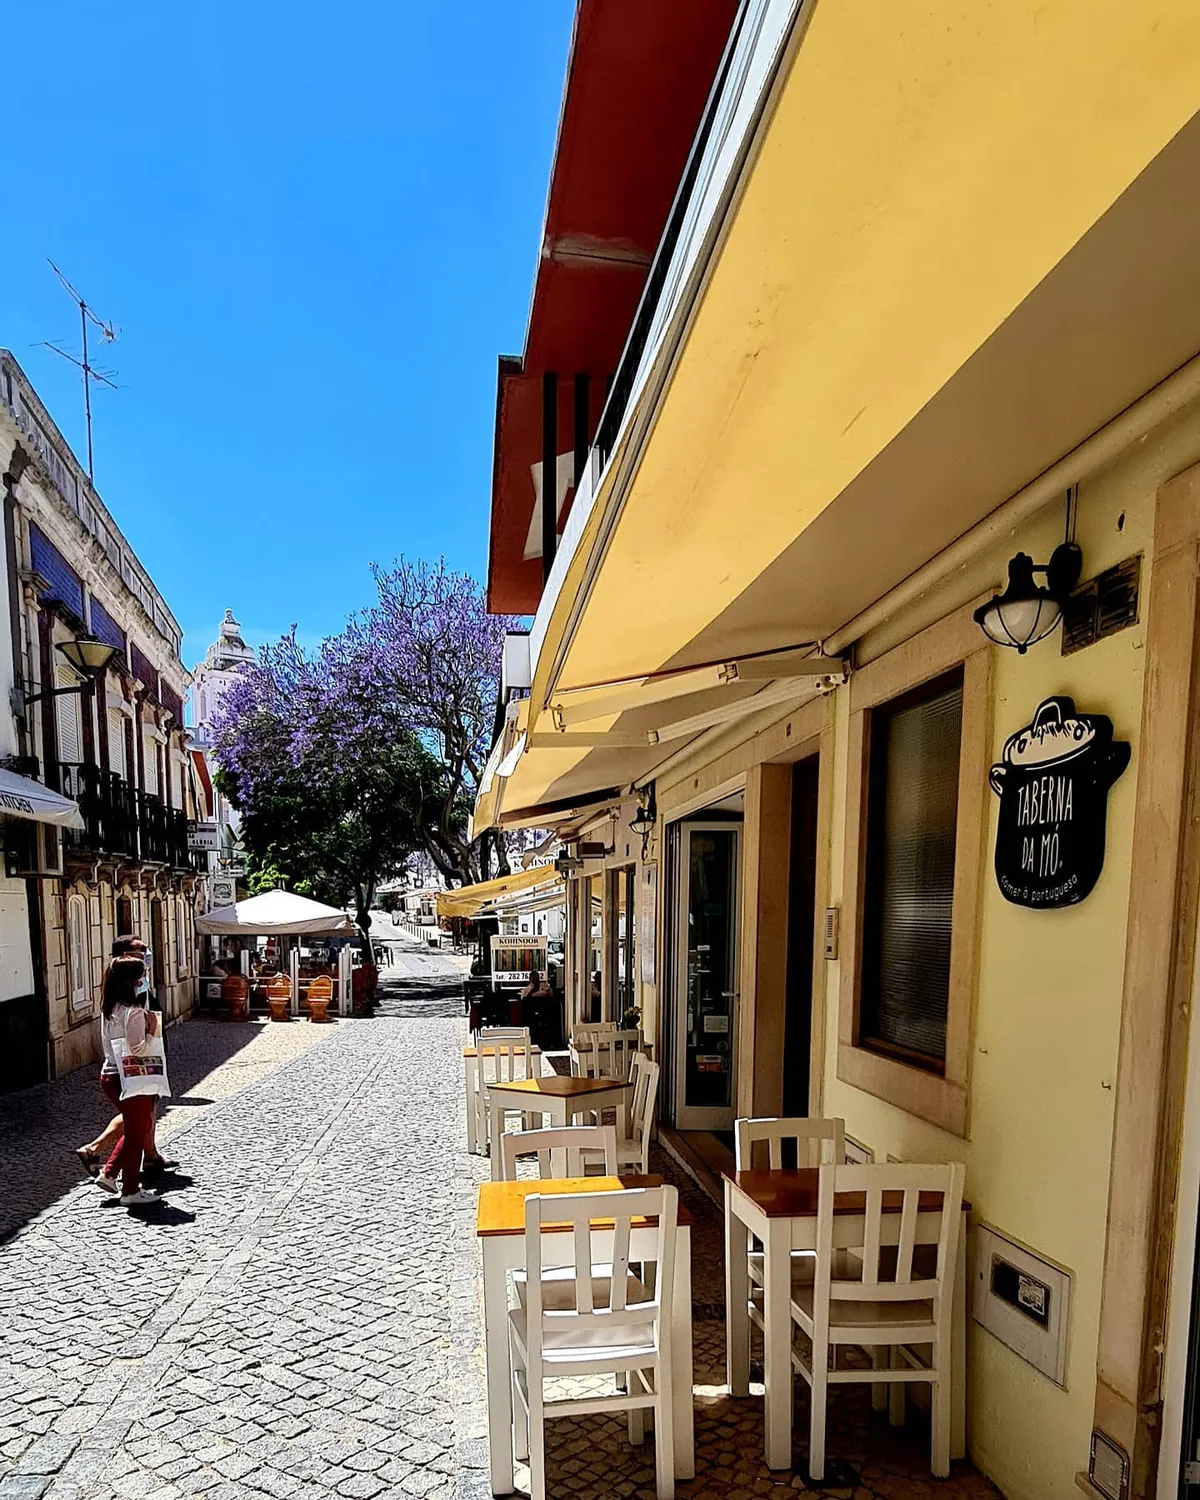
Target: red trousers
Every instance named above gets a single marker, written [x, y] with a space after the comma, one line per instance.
[137, 1113]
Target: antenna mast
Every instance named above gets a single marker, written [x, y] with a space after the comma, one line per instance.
[108, 335]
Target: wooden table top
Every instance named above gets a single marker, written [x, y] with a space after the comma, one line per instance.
[502, 1204]
[791, 1193]
[562, 1087]
[491, 1051]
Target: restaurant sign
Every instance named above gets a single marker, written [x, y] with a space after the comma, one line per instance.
[1053, 784]
[204, 836]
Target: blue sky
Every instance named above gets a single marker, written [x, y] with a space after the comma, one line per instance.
[316, 227]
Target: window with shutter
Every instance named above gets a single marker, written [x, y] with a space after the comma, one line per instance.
[912, 811]
[78, 953]
[151, 752]
[116, 743]
[70, 734]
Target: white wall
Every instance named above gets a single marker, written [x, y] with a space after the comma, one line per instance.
[16, 964]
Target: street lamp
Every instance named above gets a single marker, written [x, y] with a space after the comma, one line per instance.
[87, 656]
[1026, 613]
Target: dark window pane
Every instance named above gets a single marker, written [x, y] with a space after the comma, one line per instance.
[911, 814]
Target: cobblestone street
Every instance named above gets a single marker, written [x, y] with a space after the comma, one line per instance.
[283, 1326]
[301, 1320]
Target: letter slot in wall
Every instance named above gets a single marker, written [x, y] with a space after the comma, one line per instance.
[1023, 1300]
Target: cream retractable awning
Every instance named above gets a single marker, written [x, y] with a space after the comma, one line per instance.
[22, 798]
[469, 900]
[966, 242]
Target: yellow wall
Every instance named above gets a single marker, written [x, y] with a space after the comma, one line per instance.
[1048, 999]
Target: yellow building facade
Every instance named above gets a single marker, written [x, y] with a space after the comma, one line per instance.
[932, 304]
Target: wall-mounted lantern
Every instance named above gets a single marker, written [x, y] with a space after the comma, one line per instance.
[644, 820]
[1025, 612]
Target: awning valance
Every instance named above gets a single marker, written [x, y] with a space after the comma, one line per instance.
[469, 900]
[22, 798]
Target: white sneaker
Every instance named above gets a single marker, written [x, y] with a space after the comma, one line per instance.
[106, 1184]
[140, 1199]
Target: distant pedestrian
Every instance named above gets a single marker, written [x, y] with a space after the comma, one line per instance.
[96, 1152]
[130, 1033]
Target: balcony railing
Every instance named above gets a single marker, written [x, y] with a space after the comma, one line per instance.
[120, 820]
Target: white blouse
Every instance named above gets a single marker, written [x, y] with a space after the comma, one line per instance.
[125, 1028]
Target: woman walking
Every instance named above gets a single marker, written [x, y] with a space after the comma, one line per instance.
[134, 1072]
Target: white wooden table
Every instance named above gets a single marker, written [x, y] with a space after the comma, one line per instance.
[500, 1226]
[473, 1087]
[559, 1098]
[780, 1209]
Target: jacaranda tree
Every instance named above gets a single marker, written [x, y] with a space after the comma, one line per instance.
[335, 791]
[345, 761]
[434, 651]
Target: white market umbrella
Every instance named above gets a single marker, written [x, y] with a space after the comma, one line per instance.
[280, 913]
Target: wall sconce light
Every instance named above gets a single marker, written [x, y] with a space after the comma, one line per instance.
[644, 820]
[88, 656]
[1026, 613]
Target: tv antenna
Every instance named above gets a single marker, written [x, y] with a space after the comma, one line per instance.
[108, 335]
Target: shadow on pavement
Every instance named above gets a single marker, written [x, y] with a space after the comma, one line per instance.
[41, 1127]
[414, 997]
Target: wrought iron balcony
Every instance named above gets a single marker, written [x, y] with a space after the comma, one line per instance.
[107, 806]
[120, 820]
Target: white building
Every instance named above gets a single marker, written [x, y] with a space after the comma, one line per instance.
[117, 747]
[211, 678]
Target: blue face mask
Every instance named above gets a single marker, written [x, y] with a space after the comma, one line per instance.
[144, 983]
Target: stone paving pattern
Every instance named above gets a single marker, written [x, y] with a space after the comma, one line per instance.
[302, 1320]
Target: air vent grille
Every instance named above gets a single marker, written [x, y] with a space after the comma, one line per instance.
[1109, 1467]
[1102, 606]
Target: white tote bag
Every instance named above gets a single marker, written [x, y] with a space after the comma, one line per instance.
[143, 1072]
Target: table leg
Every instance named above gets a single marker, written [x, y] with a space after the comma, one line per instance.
[499, 1383]
[777, 1343]
[682, 1405]
[469, 1081]
[496, 1111]
[737, 1294]
[958, 1348]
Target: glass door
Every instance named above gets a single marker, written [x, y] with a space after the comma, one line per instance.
[706, 976]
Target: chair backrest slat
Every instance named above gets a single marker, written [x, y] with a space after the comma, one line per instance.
[645, 1096]
[508, 1056]
[897, 1221]
[588, 1215]
[816, 1141]
[562, 1152]
[607, 1054]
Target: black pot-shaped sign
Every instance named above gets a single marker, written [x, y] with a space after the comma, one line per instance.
[1053, 785]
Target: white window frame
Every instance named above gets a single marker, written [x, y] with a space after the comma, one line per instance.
[79, 954]
[181, 937]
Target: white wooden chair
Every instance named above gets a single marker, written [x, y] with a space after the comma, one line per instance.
[504, 1054]
[759, 1144]
[592, 1317]
[884, 1297]
[563, 1152]
[603, 1051]
[633, 1152]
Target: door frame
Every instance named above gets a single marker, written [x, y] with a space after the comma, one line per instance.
[685, 1117]
[1183, 1315]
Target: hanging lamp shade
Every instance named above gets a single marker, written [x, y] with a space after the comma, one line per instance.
[87, 655]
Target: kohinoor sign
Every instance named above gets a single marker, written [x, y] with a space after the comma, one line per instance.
[1053, 784]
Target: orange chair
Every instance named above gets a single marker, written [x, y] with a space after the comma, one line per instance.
[235, 992]
[320, 993]
[279, 998]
